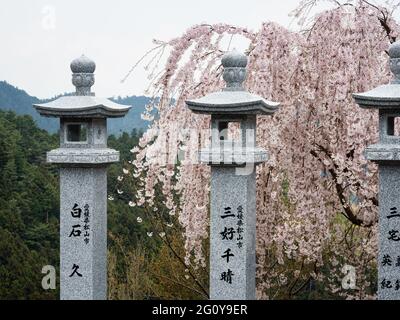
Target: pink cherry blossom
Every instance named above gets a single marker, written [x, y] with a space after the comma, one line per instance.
[317, 196]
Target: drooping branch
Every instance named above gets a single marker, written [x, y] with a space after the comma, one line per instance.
[383, 20]
[340, 191]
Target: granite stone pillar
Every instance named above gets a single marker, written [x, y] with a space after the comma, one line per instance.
[232, 194]
[233, 182]
[386, 153]
[83, 158]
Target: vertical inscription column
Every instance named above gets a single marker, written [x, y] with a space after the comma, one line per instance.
[389, 233]
[233, 235]
[83, 233]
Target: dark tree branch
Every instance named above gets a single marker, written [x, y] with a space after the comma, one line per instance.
[348, 213]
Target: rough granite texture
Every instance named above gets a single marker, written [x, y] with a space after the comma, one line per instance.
[389, 198]
[83, 186]
[228, 189]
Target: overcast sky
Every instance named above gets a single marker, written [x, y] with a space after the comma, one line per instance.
[39, 38]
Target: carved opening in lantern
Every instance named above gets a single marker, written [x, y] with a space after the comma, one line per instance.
[393, 126]
[230, 131]
[76, 133]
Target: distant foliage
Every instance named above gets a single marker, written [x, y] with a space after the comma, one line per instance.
[29, 208]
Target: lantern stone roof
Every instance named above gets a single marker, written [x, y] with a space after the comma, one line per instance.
[233, 99]
[385, 96]
[83, 103]
[232, 102]
[82, 106]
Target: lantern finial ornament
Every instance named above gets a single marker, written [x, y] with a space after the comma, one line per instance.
[234, 64]
[394, 53]
[83, 75]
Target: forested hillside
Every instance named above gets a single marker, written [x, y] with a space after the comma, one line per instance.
[29, 205]
[17, 100]
[141, 264]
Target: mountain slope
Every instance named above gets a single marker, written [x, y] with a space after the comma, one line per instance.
[17, 100]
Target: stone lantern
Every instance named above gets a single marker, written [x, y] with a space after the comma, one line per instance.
[83, 158]
[386, 153]
[233, 182]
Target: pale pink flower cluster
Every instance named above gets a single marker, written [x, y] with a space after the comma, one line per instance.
[317, 196]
